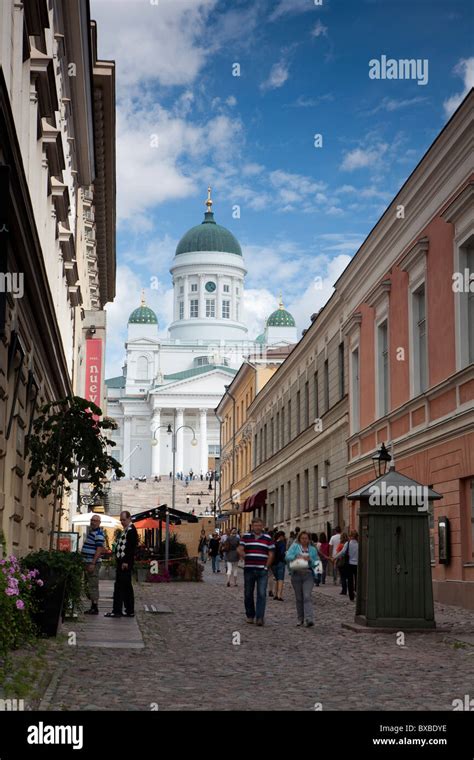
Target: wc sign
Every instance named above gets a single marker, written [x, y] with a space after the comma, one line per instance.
[93, 370]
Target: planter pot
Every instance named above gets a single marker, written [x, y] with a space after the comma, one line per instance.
[142, 574]
[50, 599]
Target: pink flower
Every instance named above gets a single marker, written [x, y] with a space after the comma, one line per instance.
[11, 592]
[23, 577]
[40, 582]
[19, 604]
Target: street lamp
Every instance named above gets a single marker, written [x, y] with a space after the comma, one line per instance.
[173, 432]
[381, 459]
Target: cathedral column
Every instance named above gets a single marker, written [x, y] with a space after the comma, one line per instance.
[155, 449]
[204, 466]
[127, 430]
[179, 440]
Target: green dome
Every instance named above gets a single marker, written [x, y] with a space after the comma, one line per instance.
[209, 236]
[260, 338]
[143, 316]
[281, 318]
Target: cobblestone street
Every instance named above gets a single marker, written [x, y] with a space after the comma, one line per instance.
[191, 663]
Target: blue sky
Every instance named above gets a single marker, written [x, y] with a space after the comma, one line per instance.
[184, 121]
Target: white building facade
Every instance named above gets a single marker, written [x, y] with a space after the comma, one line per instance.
[180, 381]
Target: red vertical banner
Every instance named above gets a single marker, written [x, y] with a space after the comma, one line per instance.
[93, 371]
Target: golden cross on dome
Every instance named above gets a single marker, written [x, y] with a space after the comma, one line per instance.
[209, 200]
[143, 302]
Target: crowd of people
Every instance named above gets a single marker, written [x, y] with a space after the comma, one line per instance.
[267, 555]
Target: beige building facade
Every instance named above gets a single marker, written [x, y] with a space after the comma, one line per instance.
[57, 241]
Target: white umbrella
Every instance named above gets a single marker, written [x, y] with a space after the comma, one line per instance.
[106, 521]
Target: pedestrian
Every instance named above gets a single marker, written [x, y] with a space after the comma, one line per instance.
[257, 550]
[341, 559]
[202, 546]
[232, 555]
[301, 559]
[125, 557]
[323, 551]
[291, 538]
[171, 475]
[279, 564]
[334, 541]
[222, 545]
[350, 555]
[92, 550]
[202, 476]
[213, 552]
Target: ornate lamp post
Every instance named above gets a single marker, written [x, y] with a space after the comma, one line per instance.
[381, 459]
[172, 431]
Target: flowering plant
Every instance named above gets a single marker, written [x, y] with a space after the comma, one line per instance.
[16, 603]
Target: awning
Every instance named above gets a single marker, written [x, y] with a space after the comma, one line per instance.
[255, 501]
[159, 513]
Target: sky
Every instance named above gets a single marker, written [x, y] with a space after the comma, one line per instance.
[233, 93]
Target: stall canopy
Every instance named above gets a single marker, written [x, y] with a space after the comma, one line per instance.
[255, 501]
[159, 513]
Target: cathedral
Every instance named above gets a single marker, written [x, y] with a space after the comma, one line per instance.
[180, 381]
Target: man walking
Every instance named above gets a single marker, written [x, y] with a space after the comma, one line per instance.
[125, 556]
[333, 544]
[257, 550]
[92, 549]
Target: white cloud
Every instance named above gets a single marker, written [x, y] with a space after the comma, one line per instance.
[319, 30]
[318, 291]
[291, 6]
[391, 104]
[162, 43]
[279, 74]
[464, 69]
[359, 158]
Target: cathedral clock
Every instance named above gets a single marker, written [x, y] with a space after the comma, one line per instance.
[210, 287]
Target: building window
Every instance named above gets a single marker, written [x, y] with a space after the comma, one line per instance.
[288, 500]
[289, 419]
[306, 491]
[214, 450]
[255, 443]
[306, 404]
[298, 495]
[194, 287]
[472, 517]
[298, 413]
[419, 340]
[382, 368]
[237, 312]
[194, 308]
[282, 503]
[277, 445]
[261, 446]
[181, 290]
[210, 307]
[315, 488]
[272, 437]
[142, 368]
[201, 361]
[355, 396]
[236, 291]
[316, 395]
[465, 300]
[225, 309]
[265, 443]
[181, 309]
[326, 385]
[341, 369]
[282, 435]
[226, 288]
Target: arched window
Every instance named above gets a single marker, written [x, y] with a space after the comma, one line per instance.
[142, 368]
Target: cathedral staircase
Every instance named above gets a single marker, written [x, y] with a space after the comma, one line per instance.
[124, 495]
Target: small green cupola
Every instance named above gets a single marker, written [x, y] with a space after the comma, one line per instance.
[143, 315]
[281, 317]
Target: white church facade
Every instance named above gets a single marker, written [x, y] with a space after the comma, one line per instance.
[180, 381]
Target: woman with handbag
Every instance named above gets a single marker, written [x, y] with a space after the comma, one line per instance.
[301, 559]
[348, 556]
[232, 556]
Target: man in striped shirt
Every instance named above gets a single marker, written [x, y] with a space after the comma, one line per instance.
[257, 550]
[92, 549]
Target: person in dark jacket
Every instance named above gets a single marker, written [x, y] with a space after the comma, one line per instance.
[213, 552]
[202, 546]
[125, 557]
[279, 564]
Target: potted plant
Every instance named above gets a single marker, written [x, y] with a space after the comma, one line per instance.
[17, 600]
[62, 574]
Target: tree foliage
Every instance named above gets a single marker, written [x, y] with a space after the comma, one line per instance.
[67, 433]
